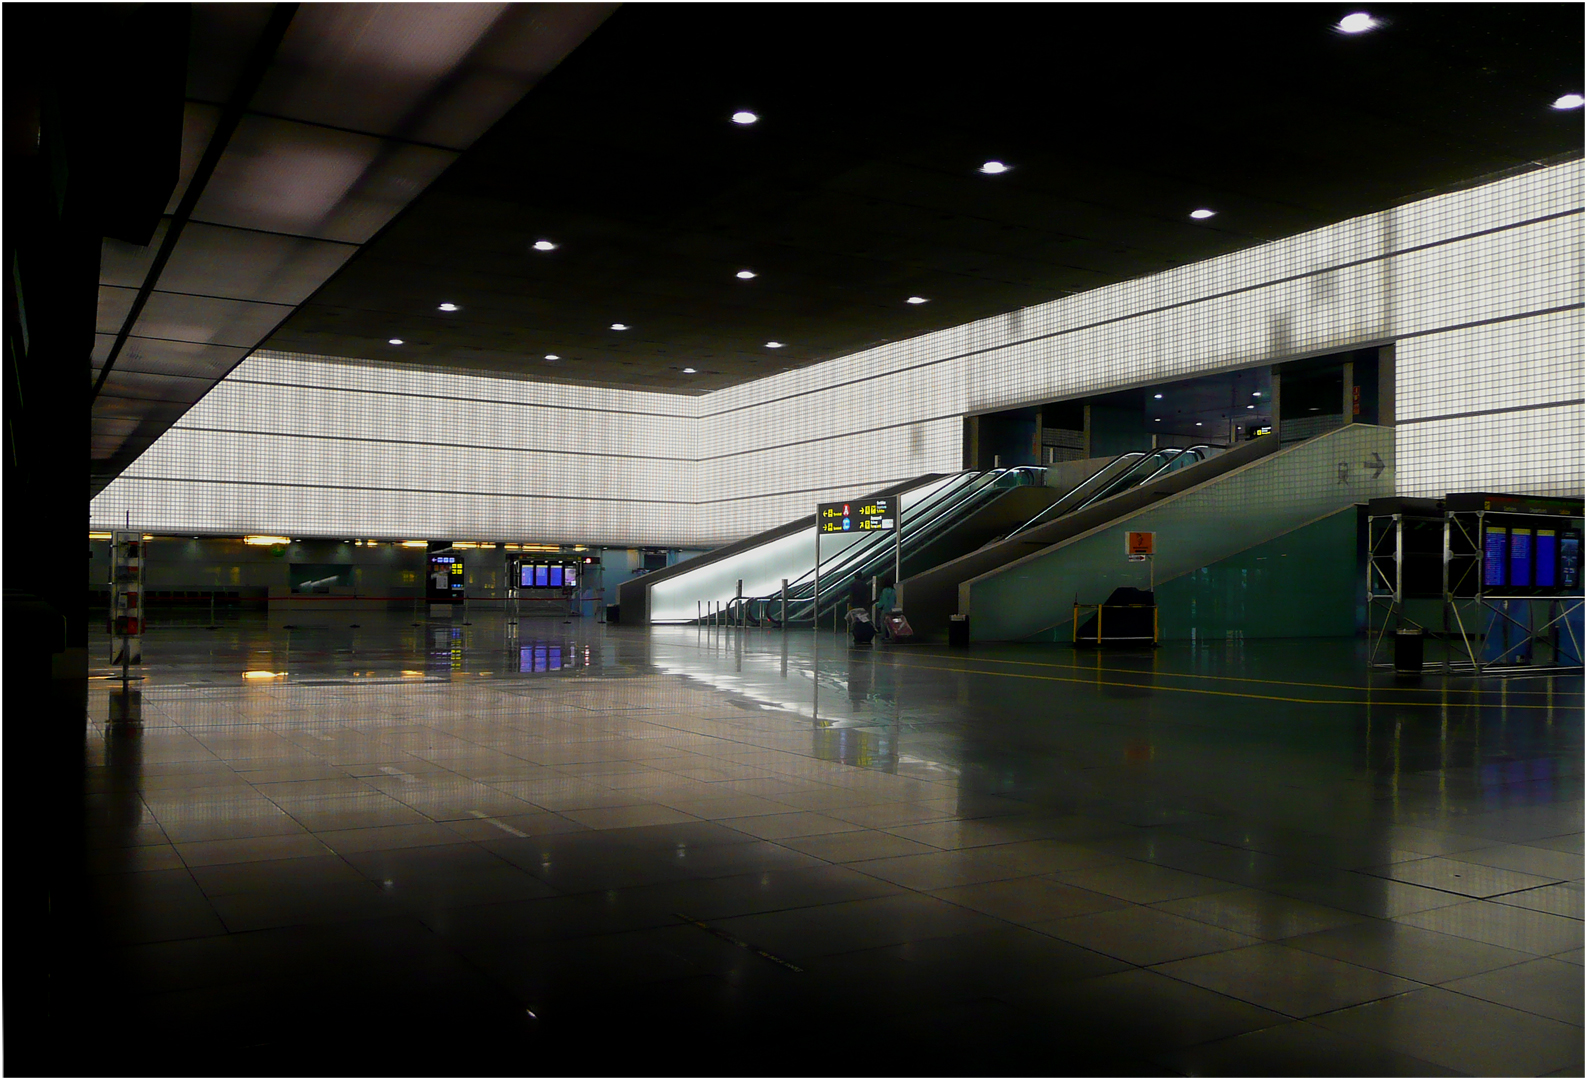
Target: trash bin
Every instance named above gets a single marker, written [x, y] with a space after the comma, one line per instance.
[614, 614]
[1408, 652]
[959, 631]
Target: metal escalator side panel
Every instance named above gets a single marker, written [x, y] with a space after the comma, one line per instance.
[1133, 477]
[787, 551]
[1068, 501]
[874, 548]
[1248, 497]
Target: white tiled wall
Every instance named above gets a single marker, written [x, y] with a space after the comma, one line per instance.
[1480, 289]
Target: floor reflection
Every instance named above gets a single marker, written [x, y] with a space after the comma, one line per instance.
[1219, 859]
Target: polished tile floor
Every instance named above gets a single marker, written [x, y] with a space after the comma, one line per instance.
[555, 847]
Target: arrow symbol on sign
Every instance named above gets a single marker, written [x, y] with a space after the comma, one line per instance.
[1377, 465]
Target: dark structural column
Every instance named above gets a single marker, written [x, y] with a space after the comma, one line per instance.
[93, 131]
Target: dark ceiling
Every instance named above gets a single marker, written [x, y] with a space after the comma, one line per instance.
[860, 185]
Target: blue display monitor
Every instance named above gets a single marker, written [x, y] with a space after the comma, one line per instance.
[526, 576]
[542, 575]
[556, 577]
[1521, 558]
[1545, 553]
[570, 576]
[1570, 560]
[1493, 553]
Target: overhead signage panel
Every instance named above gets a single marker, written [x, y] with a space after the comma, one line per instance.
[860, 515]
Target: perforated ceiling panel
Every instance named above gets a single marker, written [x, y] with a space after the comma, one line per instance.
[860, 184]
[306, 131]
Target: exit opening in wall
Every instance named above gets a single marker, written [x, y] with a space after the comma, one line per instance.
[1295, 400]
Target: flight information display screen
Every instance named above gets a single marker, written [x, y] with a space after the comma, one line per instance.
[547, 576]
[1493, 554]
[1570, 560]
[1521, 558]
[870, 515]
[1546, 552]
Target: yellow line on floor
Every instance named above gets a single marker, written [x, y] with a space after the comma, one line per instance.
[1199, 690]
[1239, 678]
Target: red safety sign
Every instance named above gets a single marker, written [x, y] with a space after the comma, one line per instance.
[1140, 543]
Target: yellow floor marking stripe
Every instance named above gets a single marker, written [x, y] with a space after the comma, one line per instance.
[1198, 690]
[1239, 678]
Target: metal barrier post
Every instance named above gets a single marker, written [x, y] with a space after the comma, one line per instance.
[815, 601]
[785, 605]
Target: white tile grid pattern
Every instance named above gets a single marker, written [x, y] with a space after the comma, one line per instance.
[318, 446]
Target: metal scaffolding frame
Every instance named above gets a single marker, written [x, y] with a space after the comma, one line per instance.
[1469, 610]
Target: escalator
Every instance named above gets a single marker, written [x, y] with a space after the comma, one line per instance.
[1202, 511]
[942, 516]
[1134, 481]
[1124, 472]
[944, 520]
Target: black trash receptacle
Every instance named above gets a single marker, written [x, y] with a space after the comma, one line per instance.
[959, 631]
[1408, 652]
[614, 614]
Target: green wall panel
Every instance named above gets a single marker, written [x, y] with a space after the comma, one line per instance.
[1255, 504]
[1302, 584]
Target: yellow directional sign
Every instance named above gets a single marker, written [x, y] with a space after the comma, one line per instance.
[868, 515]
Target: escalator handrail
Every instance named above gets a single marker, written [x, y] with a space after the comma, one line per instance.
[943, 515]
[1150, 464]
[931, 506]
[943, 508]
[1172, 457]
[1054, 511]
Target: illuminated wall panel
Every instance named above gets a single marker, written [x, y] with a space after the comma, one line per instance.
[322, 448]
[1480, 290]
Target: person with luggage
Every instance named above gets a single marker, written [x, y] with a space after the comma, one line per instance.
[859, 593]
[885, 605]
[861, 628]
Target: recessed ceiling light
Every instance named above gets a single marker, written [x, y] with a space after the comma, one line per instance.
[1157, 397]
[744, 116]
[1569, 101]
[1250, 406]
[916, 300]
[395, 341]
[552, 356]
[1312, 408]
[1202, 215]
[1198, 423]
[688, 371]
[449, 306]
[619, 326]
[1358, 22]
[544, 245]
[773, 344]
[1256, 393]
[745, 275]
[1157, 419]
[992, 168]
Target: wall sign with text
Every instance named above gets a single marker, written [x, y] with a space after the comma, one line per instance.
[867, 515]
